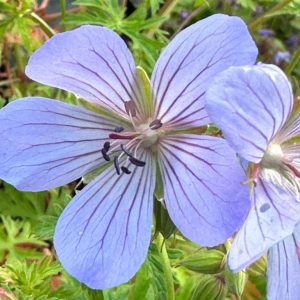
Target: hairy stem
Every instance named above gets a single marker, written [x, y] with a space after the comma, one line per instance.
[44, 26]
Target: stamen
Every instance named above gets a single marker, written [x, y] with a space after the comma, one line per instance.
[105, 155]
[132, 159]
[125, 151]
[116, 164]
[106, 146]
[136, 147]
[137, 162]
[155, 124]
[130, 108]
[119, 129]
[125, 170]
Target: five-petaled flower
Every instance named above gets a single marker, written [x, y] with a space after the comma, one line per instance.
[102, 236]
[254, 107]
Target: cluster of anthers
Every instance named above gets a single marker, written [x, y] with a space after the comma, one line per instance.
[143, 135]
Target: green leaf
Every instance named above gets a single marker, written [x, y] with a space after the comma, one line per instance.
[22, 204]
[32, 279]
[247, 4]
[17, 240]
[154, 6]
[142, 284]
[45, 226]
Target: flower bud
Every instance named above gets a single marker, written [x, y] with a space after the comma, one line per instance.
[210, 287]
[236, 281]
[205, 261]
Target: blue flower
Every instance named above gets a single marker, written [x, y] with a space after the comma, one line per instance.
[253, 105]
[282, 56]
[103, 235]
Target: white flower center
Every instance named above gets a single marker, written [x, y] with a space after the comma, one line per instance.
[273, 157]
[123, 144]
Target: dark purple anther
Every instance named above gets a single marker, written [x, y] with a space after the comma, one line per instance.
[106, 146]
[119, 129]
[132, 159]
[125, 170]
[136, 161]
[116, 164]
[105, 155]
[155, 124]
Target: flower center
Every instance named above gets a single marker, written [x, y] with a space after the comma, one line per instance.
[123, 145]
[273, 157]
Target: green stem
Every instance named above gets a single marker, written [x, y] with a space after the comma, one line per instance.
[256, 23]
[293, 63]
[63, 8]
[167, 8]
[44, 26]
[166, 266]
[63, 12]
[19, 58]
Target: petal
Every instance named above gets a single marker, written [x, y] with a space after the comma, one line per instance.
[291, 128]
[91, 61]
[273, 217]
[102, 237]
[188, 64]
[47, 143]
[284, 269]
[202, 187]
[250, 104]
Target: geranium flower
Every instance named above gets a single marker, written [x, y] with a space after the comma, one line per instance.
[103, 235]
[253, 105]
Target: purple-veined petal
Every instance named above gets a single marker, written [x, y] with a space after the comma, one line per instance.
[188, 64]
[291, 129]
[47, 143]
[273, 217]
[250, 104]
[102, 236]
[93, 62]
[284, 268]
[203, 187]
